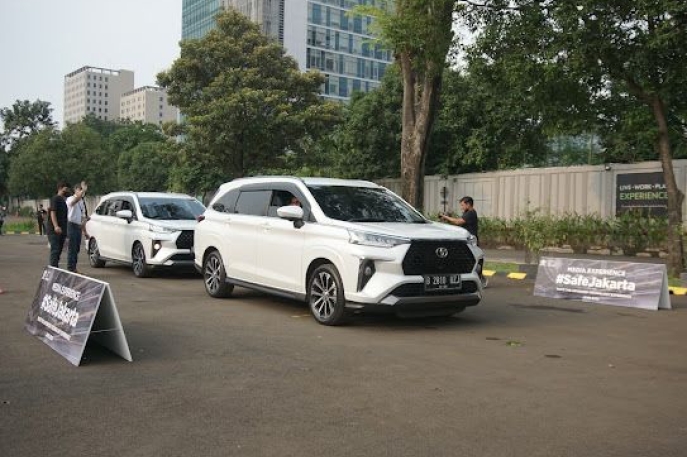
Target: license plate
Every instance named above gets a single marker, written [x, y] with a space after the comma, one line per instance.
[442, 282]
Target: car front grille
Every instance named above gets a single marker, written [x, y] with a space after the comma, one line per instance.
[418, 290]
[422, 258]
[185, 240]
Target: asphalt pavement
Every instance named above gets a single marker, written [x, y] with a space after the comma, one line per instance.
[252, 375]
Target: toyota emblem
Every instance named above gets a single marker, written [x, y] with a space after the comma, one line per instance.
[442, 252]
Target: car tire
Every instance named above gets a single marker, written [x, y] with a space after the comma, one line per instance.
[215, 276]
[326, 296]
[138, 261]
[94, 254]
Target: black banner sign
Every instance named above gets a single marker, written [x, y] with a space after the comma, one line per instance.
[64, 310]
[637, 285]
[643, 191]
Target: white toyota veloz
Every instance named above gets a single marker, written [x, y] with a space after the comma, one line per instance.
[341, 245]
[144, 229]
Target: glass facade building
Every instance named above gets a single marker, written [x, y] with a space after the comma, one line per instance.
[342, 47]
[198, 17]
[319, 34]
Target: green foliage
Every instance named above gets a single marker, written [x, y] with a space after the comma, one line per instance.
[587, 66]
[23, 119]
[127, 135]
[483, 125]
[246, 103]
[145, 167]
[367, 143]
[630, 232]
[32, 172]
[20, 121]
[89, 151]
[76, 154]
[20, 226]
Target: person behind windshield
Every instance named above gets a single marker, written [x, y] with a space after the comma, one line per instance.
[295, 201]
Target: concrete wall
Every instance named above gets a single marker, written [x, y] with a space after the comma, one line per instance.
[588, 189]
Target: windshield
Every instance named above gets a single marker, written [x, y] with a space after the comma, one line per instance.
[364, 204]
[171, 209]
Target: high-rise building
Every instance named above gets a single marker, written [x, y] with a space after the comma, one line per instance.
[147, 104]
[323, 35]
[91, 90]
[198, 17]
[319, 34]
[268, 13]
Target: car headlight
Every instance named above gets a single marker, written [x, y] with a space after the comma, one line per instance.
[160, 229]
[472, 239]
[374, 239]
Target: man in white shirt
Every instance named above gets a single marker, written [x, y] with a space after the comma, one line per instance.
[76, 216]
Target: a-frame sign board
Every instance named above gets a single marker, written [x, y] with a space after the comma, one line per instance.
[70, 309]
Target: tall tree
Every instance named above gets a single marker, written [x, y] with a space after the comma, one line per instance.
[75, 154]
[368, 141]
[32, 172]
[21, 120]
[420, 34]
[128, 135]
[485, 123]
[244, 100]
[145, 167]
[631, 49]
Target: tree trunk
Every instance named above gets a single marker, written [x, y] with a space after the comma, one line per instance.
[675, 196]
[420, 100]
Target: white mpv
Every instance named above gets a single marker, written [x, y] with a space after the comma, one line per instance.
[144, 229]
[341, 245]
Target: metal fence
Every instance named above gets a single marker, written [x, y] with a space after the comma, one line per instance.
[582, 190]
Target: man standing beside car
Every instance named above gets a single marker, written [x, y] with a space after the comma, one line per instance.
[469, 220]
[57, 223]
[76, 214]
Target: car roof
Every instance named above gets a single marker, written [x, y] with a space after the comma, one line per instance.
[148, 195]
[309, 181]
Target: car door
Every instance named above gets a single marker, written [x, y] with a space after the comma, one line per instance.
[242, 236]
[280, 251]
[100, 227]
[121, 229]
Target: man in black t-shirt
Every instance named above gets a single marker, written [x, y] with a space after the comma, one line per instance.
[469, 220]
[57, 223]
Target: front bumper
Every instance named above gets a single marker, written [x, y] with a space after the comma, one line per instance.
[167, 250]
[410, 299]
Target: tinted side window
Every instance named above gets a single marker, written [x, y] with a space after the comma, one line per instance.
[253, 202]
[280, 198]
[113, 207]
[226, 203]
[102, 208]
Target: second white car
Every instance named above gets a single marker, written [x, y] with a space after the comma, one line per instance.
[144, 229]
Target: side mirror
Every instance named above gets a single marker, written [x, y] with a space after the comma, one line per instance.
[125, 214]
[291, 213]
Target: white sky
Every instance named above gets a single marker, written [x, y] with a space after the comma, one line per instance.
[43, 40]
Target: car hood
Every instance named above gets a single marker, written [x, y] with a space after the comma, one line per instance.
[431, 230]
[173, 225]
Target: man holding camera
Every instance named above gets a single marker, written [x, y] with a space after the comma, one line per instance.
[76, 215]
